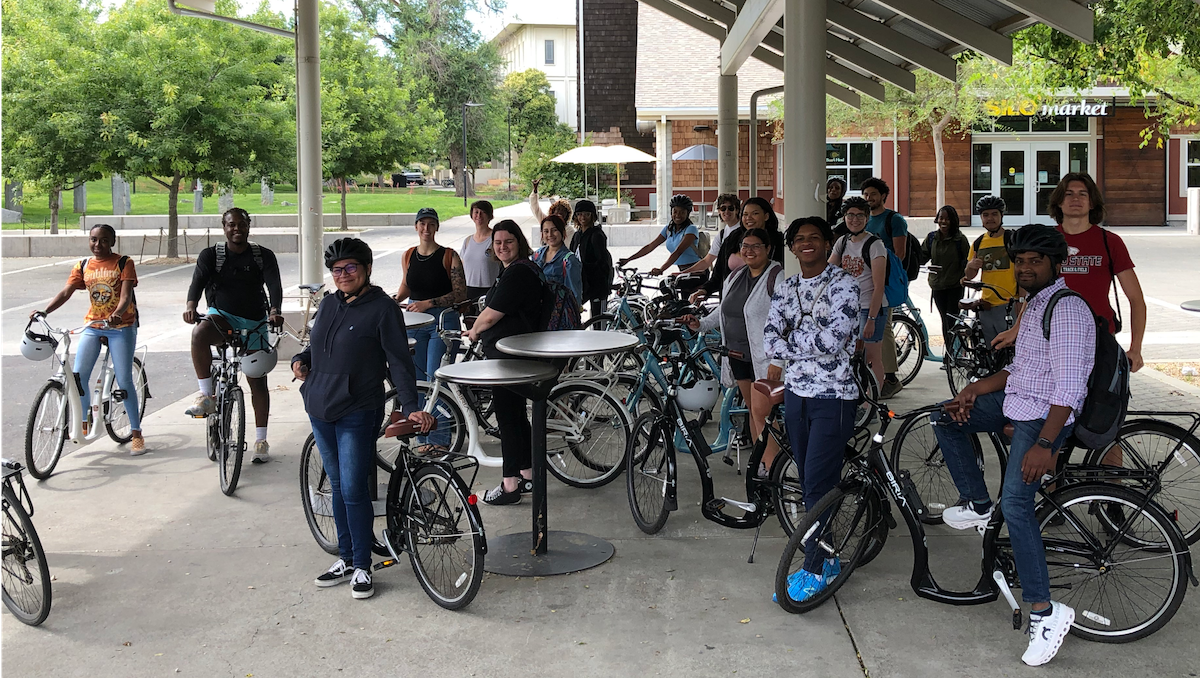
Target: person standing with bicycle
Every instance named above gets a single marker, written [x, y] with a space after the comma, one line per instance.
[947, 249]
[723, 254]
[358, 337]
[109, 279]
[864, 256]
[681, 238]
[479, 266]
[590, 245]
[989, 259]
[558, 263]
[812, 325]
[1039, 393]
[233, 275]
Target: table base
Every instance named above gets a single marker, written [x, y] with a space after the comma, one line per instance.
[510, 555]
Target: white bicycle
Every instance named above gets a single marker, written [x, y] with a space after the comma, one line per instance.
[57, 413]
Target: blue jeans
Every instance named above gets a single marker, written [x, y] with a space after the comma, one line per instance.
[818, 430]
[120, 346]
[1017, 498]
[347, 448]
[427, 357]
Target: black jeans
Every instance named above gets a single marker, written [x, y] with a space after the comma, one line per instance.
[947, 306]
[516, 437]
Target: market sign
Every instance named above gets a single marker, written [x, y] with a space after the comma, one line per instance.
[1029, 108]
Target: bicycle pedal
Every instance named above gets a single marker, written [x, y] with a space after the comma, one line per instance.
[728, 460]
[386, 563]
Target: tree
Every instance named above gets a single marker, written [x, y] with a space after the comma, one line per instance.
[557, 178]
[369, 121]
[187, 97]
[527, 96]
[50, 119]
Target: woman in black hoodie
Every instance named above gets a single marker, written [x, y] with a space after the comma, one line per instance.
[358, 336]
[591, 246]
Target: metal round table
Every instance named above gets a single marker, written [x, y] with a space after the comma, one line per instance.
[1193, 306]
[415, 320]
[525, 554]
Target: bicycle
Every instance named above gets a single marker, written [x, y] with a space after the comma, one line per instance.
[57, 413]
[26, 580]
[308, 303]
[1088, 553]
[971, 356]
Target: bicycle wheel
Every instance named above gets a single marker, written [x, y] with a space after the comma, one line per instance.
[451, 432]
[842, 525]
[26, 576]
[637, 399]
[46, 430]
[233, 434]
[787, 492]
[316, 496]
[916, 449]
[116, 416]
[1133, 583]
[647, 471]
[586, 434]
[960, 365]
[442, 533]
[212, 425]
[865, 414]
[911, 347]
[1144, 445]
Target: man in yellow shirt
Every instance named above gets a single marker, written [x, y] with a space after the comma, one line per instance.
[989, 256]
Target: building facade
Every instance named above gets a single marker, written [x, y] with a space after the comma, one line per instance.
[549, 47]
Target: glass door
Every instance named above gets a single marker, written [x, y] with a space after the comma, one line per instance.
[1010, 179]
[1049, 162]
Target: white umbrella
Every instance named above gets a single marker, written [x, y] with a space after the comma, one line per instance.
[606, 155]
[698, 152]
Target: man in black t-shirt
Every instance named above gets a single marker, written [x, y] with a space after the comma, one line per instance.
[232, 276]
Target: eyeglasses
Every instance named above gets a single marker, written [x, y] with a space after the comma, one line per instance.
[855, 215]
[727, 208]
[348, 269]
[750, 246]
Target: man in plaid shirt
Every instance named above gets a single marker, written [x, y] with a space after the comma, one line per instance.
[1039, 394]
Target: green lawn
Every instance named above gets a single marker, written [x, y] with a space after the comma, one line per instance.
[152, 199]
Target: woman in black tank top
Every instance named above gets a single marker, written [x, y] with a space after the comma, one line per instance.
[434, 283]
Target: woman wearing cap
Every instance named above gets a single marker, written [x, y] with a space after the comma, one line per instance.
[557, 262]
[680, 237]
[358, 337]
[513, 307]
[590, 245]
[479, 266]
[109, 279]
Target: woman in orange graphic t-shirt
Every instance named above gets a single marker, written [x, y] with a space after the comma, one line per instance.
[109, 280]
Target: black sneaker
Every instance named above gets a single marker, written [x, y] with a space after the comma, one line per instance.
[338, 573]
[498, 497]
[525, 486]
[360, 584]
[891, 386]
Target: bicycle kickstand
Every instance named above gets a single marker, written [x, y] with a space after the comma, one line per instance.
[1006, 591]
[754, 546]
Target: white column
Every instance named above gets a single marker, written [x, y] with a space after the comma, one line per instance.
[308, 122]
[727, 134]
[803, 112]
[662, 185]
[1193, 211]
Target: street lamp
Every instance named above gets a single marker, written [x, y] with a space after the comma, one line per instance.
[464, 158]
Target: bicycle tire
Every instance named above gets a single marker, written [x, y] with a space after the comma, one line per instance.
[786, 491]
[42, 456]
[233, 438]
[648, 399]
[450, 418]
[916, 449]
[316, 496]
[1180, 491]
[911, 347]
[587, 430]
[960, 365]
[865, 412]
[21, 548]
[1074, 578]
[647, 471]
[122, 433]
[850, 537]
[437, 516]
[212, 427]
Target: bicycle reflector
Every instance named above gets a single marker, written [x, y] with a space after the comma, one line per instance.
[472, 499]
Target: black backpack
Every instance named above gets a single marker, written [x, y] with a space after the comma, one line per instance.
[979, 241]
[912, 251]
[1107, 401]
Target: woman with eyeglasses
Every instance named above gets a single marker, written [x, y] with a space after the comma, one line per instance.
[864, 256]
[723, 255]
[745, 302]
[358, 337]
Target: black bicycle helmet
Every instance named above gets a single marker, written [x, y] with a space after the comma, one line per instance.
[681, 200]
[348, 248]
[856, 201]
[990, 202]
[1039, 238]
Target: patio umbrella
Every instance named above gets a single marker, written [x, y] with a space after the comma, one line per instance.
[606, 155]
[697, 152]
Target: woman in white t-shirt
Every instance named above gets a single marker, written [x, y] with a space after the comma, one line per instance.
[864, 256]
[480, 267]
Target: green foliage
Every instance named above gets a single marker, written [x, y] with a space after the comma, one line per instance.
[527, 95]
[556, 178]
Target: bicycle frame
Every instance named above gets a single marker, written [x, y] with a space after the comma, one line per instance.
[908, 308]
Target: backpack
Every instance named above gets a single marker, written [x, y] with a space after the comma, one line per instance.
[928, 245]
[895, 288]
[1112, 275]
[137, 319]
[1107, 400]
[560, 310]
[979, 241]
[912, 251]
[255, 253]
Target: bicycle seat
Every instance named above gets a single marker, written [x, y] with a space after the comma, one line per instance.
[773, 390]
[1008, 430]
[401, 427]
[312, 288]
[974, 305]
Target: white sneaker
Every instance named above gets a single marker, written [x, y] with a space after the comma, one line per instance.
[261, 449]
[202, 406]
[1046, 634]
[965, 517]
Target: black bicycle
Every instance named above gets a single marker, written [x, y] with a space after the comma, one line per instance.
[1113, 554]
[970, 357]
[26, 575]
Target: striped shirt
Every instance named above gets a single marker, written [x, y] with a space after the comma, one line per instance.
[812, 324]
[1054, 372]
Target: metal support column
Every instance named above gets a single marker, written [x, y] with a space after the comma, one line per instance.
[803, 113]
[308, 122]
[662, 144]
[754, 136]
[727, 134]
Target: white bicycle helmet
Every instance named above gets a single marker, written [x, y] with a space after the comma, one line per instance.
[701, 396]
[37, 345]
[260, 363]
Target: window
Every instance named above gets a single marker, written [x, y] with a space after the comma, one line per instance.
[853, 163]
[1077, 157]
[549, 52]
[1193, 163]
[1021, 123]
[981, 173]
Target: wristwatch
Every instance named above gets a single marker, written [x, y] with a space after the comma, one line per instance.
[1046, 443]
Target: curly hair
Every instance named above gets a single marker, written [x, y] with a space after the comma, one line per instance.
[562, 208]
